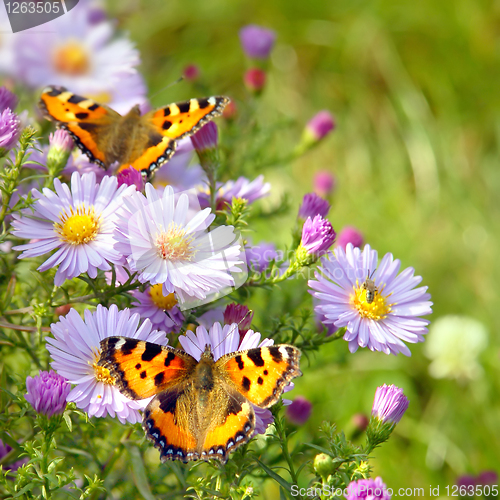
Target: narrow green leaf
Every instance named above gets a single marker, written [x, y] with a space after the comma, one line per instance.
[139, 472]
[285, 484]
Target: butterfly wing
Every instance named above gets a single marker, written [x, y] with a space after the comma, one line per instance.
[143, 369]
[261, 374]
[90, 124]
[183, 119]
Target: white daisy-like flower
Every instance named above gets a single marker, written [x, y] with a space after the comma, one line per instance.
[379, 308]
[166, 242]
[78, 224]
[224, 340]
[81, 55]
[75, 351]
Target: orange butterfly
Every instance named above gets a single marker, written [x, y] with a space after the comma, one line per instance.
[201, 409]
[143, 141]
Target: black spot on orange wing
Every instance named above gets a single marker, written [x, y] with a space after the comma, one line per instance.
[75, 99]
[151, 351]
[129, 346]
[274, 351]
[159, 378]
[144, 374]
[246, 383]
[184, 106]
[82, 115]
[256, 357]
[238, 360]
[260, 380]
[138, 366]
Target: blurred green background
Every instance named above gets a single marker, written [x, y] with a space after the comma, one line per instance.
[414, 87]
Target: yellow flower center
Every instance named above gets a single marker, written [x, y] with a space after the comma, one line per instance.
[165, 303]
[101, 374]
[102, 97]
[71, 59]
[82, 226]
[377, 309]
[174, 244]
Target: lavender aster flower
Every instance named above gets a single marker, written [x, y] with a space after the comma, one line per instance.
[205, 138]
[161, 310]
[10, 130]
[61, 140]
[7, 100]
[131, 177]
[348, 235]
[313, 205]
[224, 340]
[299, 411]
[242, 188]
[47, 393]
[75, 351]
[391, 317]
[367, 489]
[78, 224]
[259, 256]
[389, 404]
[317, 237]
[320, 125]
[257, 42]
[167, 243]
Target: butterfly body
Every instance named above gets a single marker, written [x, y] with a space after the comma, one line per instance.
[201, 409]
[144, 142]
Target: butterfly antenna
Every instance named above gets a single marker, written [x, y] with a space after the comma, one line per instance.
[249, 313]
[175, 82]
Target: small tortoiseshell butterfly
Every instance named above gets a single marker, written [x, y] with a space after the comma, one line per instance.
[143, 141]
[201, 409]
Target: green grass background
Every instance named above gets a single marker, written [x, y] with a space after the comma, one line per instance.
[414, 87]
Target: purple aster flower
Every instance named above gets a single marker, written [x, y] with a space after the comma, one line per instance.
[257, 42]
[242, 188]
[75, 351]
[466, 480]
[389, 404]
[161, 310]
[259, 256]
[324, 183]
[205, 138]
[299, 411]
[320, 323]
[131, 177]
[385, 321]
[349, 234]
[78, 224]
[320, 125]
[10, 130]
[488, 477]
[61, 140]
[367, 489]
[239, 314]
[317, 236]
[166, 242]
[7, 100]
[4, 450]
[255, 79]
[224, 340]
[313, 205]
[78, 54]
[47, 393]
[215, 315]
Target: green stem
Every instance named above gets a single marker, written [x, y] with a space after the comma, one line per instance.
[284, 447]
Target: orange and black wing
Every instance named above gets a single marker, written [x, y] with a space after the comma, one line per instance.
[262, 373]
[183, 119]
[143, 369]
[90, 124]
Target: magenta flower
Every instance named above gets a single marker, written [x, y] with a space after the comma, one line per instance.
[349, 234]
[299, 411]
[320, 125]
[239, 314]
[313, 205]
[367, 489]
[255, 79]
[10, 130]
[47, 393]
[75, 351]
[380, 322]
[191, 72]
[317, 236]
[7, 100]
[389, 404]
[205, 138]
[131, 177]
[324, 183]
[257, 42]
[78, 224]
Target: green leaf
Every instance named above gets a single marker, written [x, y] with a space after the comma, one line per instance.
[285, 484]
[139, 472]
